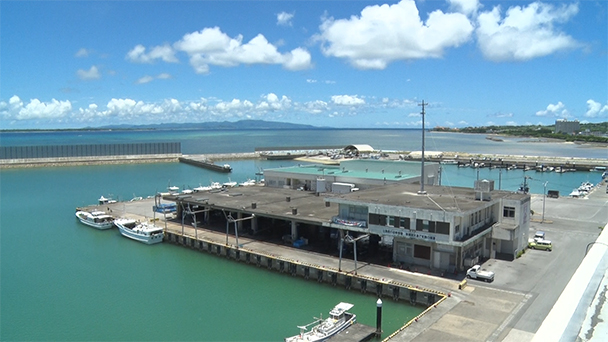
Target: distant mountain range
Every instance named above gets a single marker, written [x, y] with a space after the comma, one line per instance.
[223, 125]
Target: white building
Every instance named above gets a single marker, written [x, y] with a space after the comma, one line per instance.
[447, 228]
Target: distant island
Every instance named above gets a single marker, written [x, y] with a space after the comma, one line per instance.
[212, 125]
[588, 133]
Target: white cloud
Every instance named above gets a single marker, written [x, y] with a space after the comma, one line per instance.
[164, 52]
[271, 102]
[595, 109]
[35, 109]
[554, 110]
[525, 32]
[347, 100]
[468, 7]
[82, 53]
[211, 46]
[145, 79]
[511, 123]
[91, 74]
[315, 107]
[383, 34]
[148, 78]
[284, 19]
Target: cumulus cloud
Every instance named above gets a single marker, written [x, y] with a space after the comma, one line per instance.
[284, 19]
[554, 110]
[595, 109]
[91, 74]
[271, 102]
[347, 100]
[525, 32]
[35, 109]
[211, 46]
[387, 33]
[468, 7]
[163, 52]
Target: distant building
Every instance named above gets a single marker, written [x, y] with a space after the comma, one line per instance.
[567, 127]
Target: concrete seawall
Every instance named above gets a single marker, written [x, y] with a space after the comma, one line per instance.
[580, 164]
[94, 160]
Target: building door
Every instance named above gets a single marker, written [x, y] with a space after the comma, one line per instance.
[436, 259]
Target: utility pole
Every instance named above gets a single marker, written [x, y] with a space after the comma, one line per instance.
[544, 199]
[422, 178]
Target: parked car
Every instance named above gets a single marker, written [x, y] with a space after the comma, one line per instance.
[540, 244]
[540, 235]
[476, 272]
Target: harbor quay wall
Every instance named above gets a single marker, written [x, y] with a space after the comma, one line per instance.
[92, 160]
[381, 288]
[490, 160]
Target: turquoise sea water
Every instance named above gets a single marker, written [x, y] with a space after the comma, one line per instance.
[63, 281]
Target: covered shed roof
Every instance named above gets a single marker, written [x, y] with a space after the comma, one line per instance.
[361, 148]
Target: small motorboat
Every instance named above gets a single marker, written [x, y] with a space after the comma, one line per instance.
[96, 219]
[339, 319]
[139, 231]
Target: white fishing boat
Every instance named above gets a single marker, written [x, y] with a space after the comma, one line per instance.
[229, 184]
[139, 231]
[339, 319]
[202, 188]
[96, 219]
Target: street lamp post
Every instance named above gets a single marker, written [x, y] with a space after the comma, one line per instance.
[544, 199]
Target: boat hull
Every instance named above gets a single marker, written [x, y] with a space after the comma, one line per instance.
[101, 223]
[138, 234]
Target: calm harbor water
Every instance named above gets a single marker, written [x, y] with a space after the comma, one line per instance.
[65, 281]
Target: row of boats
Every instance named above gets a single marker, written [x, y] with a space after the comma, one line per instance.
[130, 228]
[213, 186]
[583, 190]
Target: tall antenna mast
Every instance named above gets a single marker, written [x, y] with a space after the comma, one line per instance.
[422, 178]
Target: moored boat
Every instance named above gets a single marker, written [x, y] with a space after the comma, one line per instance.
[339, 319]
[95, 219]
[139, 231]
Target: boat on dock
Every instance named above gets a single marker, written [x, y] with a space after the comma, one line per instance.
[139, 231]
[96, 219]
[323, 329]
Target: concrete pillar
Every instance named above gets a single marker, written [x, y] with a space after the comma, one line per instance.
[239, 223]
[206, 215]
[294, 230]
[254, 224]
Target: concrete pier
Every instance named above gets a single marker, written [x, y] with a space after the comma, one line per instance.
[511, 308]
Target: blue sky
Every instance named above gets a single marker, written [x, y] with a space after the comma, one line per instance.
[347, 64]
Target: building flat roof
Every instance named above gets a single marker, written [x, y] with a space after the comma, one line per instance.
[390, 170]
[436, 198]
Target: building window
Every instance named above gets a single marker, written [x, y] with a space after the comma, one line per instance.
[422, 252]
[508, 212]
[377, 219]
[404, 222]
